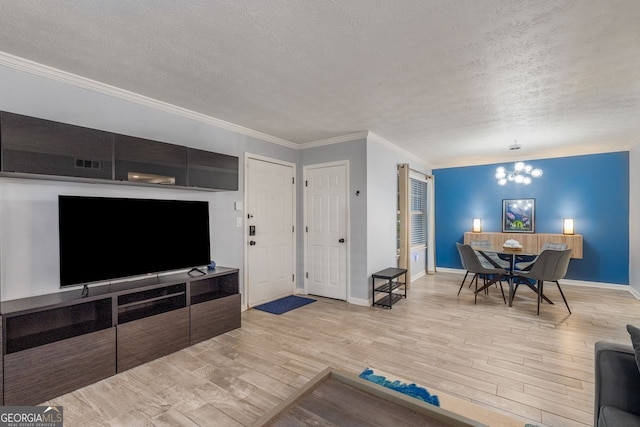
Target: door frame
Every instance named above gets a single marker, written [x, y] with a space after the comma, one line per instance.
[305, 168]
[294, 186]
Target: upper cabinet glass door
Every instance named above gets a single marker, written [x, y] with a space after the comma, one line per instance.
[152, 162]
[37, 146]
[212, 170]
[45, 149]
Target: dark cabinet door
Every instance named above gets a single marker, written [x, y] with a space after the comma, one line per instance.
[31, 145]
[38, 146]
[212, 170]
[41, 373]
[152, 162]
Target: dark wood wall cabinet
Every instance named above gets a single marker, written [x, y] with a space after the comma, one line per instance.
[54, 344]
[37, 148]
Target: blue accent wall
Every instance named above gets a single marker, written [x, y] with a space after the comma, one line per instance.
[593, 189]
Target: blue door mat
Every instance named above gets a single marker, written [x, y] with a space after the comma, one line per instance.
[285, 304]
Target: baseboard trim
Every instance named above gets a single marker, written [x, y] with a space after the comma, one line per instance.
[359, 301]
[569, 282]
[419, 275]
[634, 292]
[350, 300]
[594, 284]
[450, 270]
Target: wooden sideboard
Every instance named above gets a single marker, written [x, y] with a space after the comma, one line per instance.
[531, 242]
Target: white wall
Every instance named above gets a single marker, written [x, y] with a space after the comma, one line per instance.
[634, 219]
[382, 191]
[28, 208]
[355, 152]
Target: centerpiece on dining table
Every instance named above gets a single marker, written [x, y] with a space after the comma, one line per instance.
[512, 246]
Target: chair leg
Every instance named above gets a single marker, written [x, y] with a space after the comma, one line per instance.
[540, 282]
[515, 288]
[475, 294]
[562, 293]
[462, 284]
[502, 290]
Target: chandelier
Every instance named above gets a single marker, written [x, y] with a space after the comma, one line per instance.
[522, 173]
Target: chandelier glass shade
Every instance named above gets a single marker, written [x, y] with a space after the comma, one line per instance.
[521, 174]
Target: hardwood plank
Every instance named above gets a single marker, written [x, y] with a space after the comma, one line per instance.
[551, 405]
[241, 411]
[523, 377]
[210, 416]
[538, 369]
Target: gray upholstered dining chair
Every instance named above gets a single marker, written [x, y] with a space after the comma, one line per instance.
[552, 246]
[550, 266]
[472, 264]
[488, 259]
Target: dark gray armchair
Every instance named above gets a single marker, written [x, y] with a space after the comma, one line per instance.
[617, 386]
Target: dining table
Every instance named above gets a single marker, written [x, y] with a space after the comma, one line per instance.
[510, 255]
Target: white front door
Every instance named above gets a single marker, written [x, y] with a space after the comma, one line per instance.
[270, 236]
[326, 230]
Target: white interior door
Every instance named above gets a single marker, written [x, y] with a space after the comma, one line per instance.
[326, 230]
[270, 236]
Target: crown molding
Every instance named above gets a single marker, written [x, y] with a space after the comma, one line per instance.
[334, 140]
[635, 143]
[380, 140]
[51, 73]
[555, 154]
[369, 136]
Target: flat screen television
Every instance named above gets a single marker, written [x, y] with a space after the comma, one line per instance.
[104, 238]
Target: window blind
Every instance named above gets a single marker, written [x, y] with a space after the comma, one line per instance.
[418, 236]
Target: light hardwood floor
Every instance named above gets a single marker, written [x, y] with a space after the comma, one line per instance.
[535, 368]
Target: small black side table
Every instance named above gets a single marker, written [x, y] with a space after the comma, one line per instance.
[390, 285]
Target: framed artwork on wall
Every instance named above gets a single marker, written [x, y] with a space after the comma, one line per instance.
[518, 215]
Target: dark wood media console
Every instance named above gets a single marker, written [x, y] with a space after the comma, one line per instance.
[54, 344]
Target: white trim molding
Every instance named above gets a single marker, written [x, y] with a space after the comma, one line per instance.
[570, 282]
[419, 275]
[359, 301]
[634, 143]
[51, 73]
[350, 300]
[380, 140]
[35, 68]
[335, 140]
[369, 136]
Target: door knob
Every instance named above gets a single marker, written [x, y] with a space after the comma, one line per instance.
[252, 243]
[341, 241]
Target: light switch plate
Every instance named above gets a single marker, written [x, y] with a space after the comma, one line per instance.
[238, 221]
[239, 206]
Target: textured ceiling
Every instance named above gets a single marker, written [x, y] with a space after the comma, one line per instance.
[453, 81]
